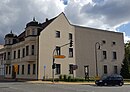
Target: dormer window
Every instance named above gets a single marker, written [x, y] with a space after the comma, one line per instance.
[28, 31]
[33, 31]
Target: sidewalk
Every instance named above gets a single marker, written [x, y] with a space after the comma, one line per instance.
[49, 82]
[75, 83]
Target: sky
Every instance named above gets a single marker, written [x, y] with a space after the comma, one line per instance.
[112, 15]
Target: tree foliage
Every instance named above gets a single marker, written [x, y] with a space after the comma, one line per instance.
[125, 70]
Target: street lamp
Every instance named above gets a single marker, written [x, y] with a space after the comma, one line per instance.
[96, 44]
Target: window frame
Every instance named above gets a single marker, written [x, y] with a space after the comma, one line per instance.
[58, 34]
[70, 36]
[104, 53]
[29, 69]
[27, 50]
[58, 69]
[34, 68]
[22, 70]
[105, 69]
[71, 52]
[114, 55]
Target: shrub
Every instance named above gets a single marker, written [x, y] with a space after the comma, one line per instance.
[65, 77]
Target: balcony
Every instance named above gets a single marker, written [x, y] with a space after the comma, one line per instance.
[30, 58]
[7, 62]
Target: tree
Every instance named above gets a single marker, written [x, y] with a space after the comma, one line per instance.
[125, 70]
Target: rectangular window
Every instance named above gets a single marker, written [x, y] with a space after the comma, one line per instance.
[71, 69]
[104, 54]
[58, 67]
[9, 69]
[28, 68]
[27, 50]
[9, 56]
[113, 43]
[34, 68]
[57, 34]
[33, 31]
[5, 56]
[14, 54]
[18, 69]
[18, 53]
[114, 55]
[105, 69]
[70, 36]
[58, 50]
[23, 52]
[22, 69]
[115, 70]
[70, 52]
[6, 69]
[32, 50]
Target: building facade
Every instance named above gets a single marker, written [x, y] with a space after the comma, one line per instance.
[30, 55]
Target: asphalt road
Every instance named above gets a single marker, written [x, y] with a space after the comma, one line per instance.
[31, 87]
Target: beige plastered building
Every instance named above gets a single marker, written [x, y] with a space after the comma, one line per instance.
[31, 52]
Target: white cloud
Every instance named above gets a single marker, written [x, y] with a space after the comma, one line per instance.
[102, 14]
[126, 38]
[14, 14]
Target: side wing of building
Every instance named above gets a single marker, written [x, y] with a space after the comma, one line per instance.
[95, 61]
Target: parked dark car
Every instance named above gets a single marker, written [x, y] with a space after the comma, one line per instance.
[110, 80]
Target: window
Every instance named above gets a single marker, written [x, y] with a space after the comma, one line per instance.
[70, 52]
[105, 69]
[114, 55]
[9, 69]
[9, 41]
[27, 50]
[104, 54]
[33, 31]
[18, 69]
[14, 54]
[6, 69]
[32, 50]
[58, 69]
[58, 50]
[71, 69]
[22, 69]
[70, 36]
[115, 69]
[113, 43]
[23, 52]
[34, 68]
[5, 56]
[28, 32]
[57, 34]
[28, 68]
[8, 56]
[103, 41]
[18, 53]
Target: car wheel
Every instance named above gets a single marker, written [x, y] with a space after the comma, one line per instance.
[120, 84]
[105, 84]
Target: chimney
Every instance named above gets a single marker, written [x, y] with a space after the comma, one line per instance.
[46, 19]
